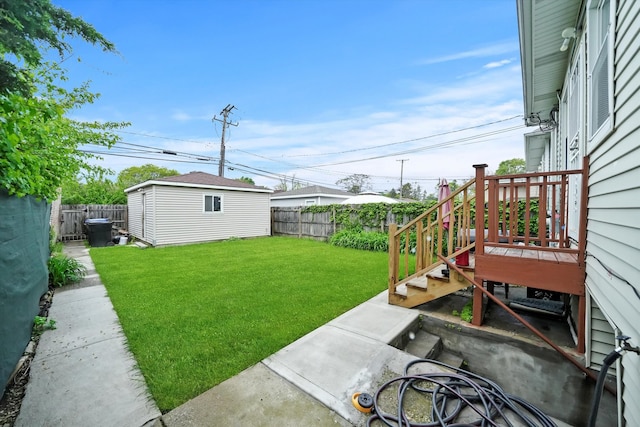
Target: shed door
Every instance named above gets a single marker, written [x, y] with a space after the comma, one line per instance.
[144, 202]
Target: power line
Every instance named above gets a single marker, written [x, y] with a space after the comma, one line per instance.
[409, 140]
[430, 147]
[105, 153]
[159, 137]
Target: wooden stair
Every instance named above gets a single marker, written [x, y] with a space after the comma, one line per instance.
[431, 285]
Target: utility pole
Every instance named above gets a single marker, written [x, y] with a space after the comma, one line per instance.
[401, 173]
[225, 123]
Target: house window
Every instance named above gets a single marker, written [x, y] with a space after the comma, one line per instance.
[212, 203]
[600, 24]
[309, 202]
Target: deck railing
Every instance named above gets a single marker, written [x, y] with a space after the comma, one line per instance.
[530, 209]
[413, 249]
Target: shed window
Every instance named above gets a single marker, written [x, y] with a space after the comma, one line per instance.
[212, 203]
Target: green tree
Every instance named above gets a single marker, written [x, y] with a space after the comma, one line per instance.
[286, 186]
[39, 148]
[96, 189]
[406, 190]
[136, 174]
[512, 166]
[29, 26]
[391, 193]
[247, 180]
[356, 183]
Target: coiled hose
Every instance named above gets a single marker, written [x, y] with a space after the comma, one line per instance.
[452, 392]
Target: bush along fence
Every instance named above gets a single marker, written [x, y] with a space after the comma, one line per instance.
[322, 221]
[366, 226]
[71, 219]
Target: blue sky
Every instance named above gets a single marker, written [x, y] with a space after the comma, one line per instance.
[322, 88]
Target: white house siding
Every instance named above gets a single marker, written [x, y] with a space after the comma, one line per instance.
[179, 216]
[613, 226]
[302, 201]
[601, 336]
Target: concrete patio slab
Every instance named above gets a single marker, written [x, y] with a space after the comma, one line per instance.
[255, 397]
[379, 321]
[332, 364]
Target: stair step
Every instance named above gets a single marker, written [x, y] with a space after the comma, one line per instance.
[418, 282]
[402, 290]
[436, 273]
[424, 345]
[450, 359]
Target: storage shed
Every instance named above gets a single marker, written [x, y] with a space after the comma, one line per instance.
[197, 207]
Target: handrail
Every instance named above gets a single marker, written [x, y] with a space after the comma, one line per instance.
[430, 237]
[436, 206]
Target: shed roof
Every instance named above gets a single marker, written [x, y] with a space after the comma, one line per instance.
[201, 180]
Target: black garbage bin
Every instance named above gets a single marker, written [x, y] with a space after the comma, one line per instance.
[98, 231]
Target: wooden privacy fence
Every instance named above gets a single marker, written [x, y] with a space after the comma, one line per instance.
[292, 221]
[71, 218]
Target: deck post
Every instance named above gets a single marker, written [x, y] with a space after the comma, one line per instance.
[478, 297]
[479, 224]
[479, 219]
[393, 259]
[582, 236]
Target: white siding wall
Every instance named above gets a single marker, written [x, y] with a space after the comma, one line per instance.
[601, 336]
[179, 216]
[613, 228]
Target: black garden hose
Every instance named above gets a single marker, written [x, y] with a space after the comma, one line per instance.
[451, 393]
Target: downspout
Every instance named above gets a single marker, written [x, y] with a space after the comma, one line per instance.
[524, 322]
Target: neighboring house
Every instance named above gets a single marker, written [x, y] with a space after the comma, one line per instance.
[314, 195]
[369, 197]
[197, 207]
[580, 67]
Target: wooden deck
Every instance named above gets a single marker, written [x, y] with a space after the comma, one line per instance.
[542, 269]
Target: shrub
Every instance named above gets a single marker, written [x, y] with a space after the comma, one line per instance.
[64, 270]
[364, 240]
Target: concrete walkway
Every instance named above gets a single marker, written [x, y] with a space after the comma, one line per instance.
[83, 373]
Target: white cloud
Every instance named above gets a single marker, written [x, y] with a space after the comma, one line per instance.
[482, 52]
[497, 64]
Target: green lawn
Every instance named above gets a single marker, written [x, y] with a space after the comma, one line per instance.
[199, 314]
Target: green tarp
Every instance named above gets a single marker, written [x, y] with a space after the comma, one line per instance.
[24, 250]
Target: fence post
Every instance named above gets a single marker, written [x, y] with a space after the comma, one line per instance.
[333, 217]
[299, 223]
